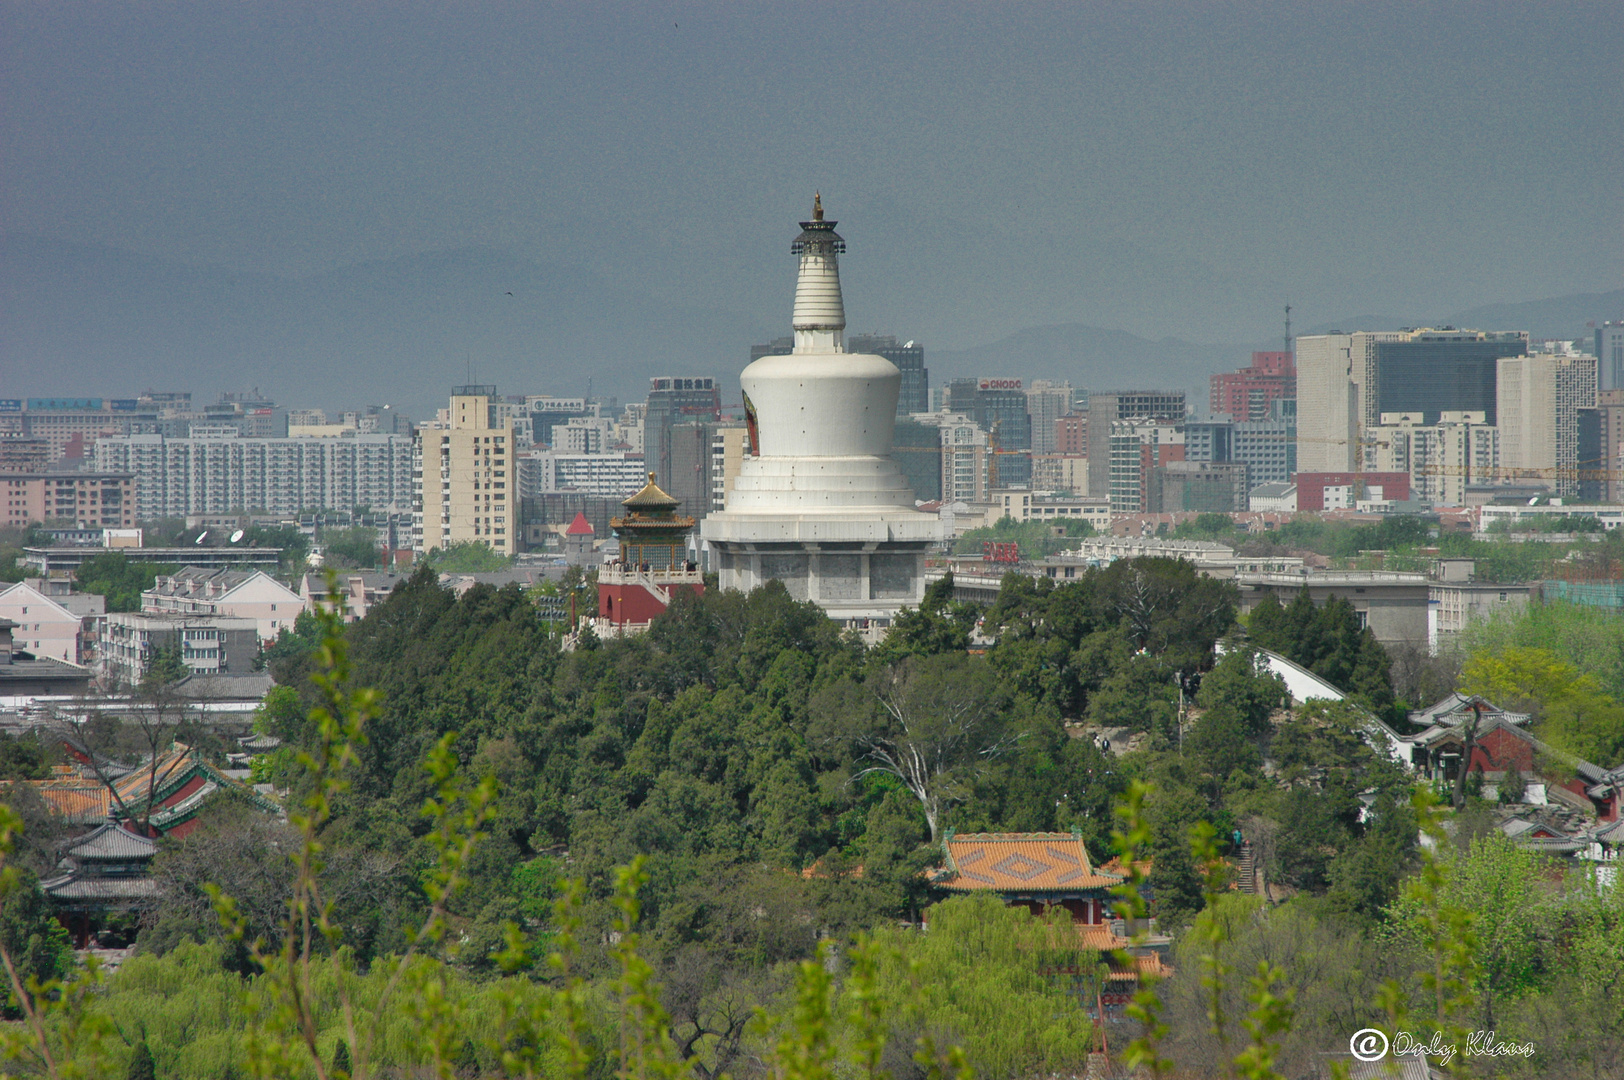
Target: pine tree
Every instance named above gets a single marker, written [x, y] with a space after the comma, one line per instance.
[341, 1061]
[142, 1067]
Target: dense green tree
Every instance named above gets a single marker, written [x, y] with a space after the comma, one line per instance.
[353, 547]
[467, 558]
[939, 624]
[121, 581]
[164, 667]
[1573, 712]
[1240, 683]
[23, 757]
[141, 1066]
[940, 720]
[1328, 641]
[37, 944]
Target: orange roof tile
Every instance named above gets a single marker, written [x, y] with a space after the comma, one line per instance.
[78, 800]
[1020, 862]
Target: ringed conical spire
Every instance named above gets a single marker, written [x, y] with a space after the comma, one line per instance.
[819, 315]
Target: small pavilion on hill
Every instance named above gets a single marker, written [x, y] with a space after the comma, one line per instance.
[1043, 871]
[1034, 870]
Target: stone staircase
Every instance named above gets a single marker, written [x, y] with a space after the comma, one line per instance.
[1246, 872]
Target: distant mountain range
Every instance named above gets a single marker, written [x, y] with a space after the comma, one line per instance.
[1114, 359]
[87, 320]
[80, 320]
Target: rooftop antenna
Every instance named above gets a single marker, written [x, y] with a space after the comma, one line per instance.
[1288, 329]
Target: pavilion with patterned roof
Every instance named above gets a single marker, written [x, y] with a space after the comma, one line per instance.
[1035, 870]
[1043, 871]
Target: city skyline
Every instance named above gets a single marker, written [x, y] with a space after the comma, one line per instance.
[300, 191]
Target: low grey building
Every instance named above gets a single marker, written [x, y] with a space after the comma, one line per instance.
[1394, 605]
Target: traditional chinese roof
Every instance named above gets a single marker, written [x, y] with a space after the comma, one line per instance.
[99, 890]
[1020, 863]
[259, 744]
[1453, 709]
[651, 498]
[85, 800]
[581, 526]
[112, 843]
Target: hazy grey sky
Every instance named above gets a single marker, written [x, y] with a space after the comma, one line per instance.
[1166, 168]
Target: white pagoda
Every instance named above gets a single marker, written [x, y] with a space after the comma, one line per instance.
[818, 503]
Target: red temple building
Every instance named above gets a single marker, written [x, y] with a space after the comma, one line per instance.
[653, 566]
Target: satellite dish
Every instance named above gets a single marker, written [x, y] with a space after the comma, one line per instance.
[236, 537]
[909, 345]
[201, 537]
[1534, 501]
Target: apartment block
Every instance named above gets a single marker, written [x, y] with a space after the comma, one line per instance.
[964, 456]
[1060, 472]
[1071, 434]
[1104, 410]
[1442, 459]
[239, 594]
[22, 454]
[466, 476]
[1138, 447]
[1046, 403]
[182, 477]
[101, 500]
[730, 445]
[1542, 399]
[209, 644]
[51, 619]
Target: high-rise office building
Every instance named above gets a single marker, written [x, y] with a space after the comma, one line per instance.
[1610, 355]
[1203, 487]
[1268, 448]
[917, 450]
[1248, 393]
[467, 476]
[694, 479]
[1346, 381]
[1046, 403]
[674, 400]
[1105, 409]
[1208, 440]
[1540, 400]
[909, 357]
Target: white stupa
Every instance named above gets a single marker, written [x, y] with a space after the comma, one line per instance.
[818, 503]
